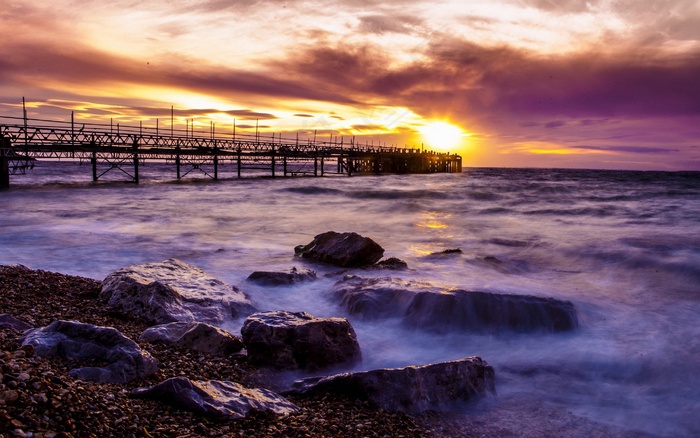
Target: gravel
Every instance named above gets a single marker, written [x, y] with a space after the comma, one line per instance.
[39, 399]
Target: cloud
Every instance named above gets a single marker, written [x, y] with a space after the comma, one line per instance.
[379, 24]
[630, 149]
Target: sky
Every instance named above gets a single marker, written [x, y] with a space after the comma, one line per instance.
[523, 83]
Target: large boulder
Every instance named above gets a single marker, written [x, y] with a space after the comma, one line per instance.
[442, 387]
[14, 324]
[342, 249]
[287, 340]
[89, 343]
[222, 399]
[172, 291]
[423, 306]
[271, 278]
[197, 336]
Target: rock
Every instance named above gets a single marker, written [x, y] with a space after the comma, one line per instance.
[287, 340]
[345, 250]
[450, 251]
[392, 263]
[12, 323]
[216, 398]
[172, 291]
[423, 306]
[197, 336]
[479, 311]
[441, 387]
[371, 298]
[90, 343]
[282, 278]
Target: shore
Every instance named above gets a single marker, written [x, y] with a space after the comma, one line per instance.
[39, 399]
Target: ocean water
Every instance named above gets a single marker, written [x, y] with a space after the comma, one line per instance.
[624, 247]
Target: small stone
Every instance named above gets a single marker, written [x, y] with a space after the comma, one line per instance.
[8, 396]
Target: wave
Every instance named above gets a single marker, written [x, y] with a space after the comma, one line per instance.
[398, 194]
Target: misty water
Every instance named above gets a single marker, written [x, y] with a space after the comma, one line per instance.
[624, 247]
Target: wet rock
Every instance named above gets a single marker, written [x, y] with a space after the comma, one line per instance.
[421, 305]
[450, 251]
[282, 278]
[172, 291]
[342, 249]
[216, 398]
[287, 340]
[12, 323]
[197, 336]
[479, 311]
[441, 387]
[90, 343]
[371, 298]
[392, 263]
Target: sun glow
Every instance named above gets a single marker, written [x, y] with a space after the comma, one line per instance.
[441, 135]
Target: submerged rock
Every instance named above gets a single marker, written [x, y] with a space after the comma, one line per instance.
[197, 336]
[216, 398]
[282, 278]
[441, 387]
[423, 306]
[90, 343]
[172, 291]
[345, 250]
[392, 263]
[287, 340]
[450, 251]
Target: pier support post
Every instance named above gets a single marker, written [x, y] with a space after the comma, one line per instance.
[177, 158]
[216, 165]
[135, 147]
[93, 161]
[316, 162]
[272, 155]
[4, 162]
[238, 161]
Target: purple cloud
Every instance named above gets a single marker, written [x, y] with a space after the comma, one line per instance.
[630, 149]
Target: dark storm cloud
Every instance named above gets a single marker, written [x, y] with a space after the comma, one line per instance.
[34, 63]
[480, 81]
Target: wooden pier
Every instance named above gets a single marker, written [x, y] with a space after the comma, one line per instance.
[125, 148]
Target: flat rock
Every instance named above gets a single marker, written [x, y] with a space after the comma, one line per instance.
[90, 343]
[12, 323]
[441, 387]
[282, 278]
[222, 399]
[421, 305]
[197, 336]
[172, 291]
[342, 249]
[287, 340]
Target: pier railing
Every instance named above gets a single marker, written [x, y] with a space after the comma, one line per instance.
[109, 147]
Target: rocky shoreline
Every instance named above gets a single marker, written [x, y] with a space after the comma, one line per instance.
[38, 398]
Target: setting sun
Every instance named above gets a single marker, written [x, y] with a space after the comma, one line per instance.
[441, 135]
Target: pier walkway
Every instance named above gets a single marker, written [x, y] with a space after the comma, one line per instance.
[115, 148]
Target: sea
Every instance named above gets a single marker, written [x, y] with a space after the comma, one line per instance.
[622, 246]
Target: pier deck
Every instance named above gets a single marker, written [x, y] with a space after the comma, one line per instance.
[127, 147]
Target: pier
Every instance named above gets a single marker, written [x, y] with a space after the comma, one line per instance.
[109, 148]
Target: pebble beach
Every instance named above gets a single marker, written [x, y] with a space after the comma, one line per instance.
[39, 399]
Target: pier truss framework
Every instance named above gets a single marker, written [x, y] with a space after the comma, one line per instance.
[125, 149]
